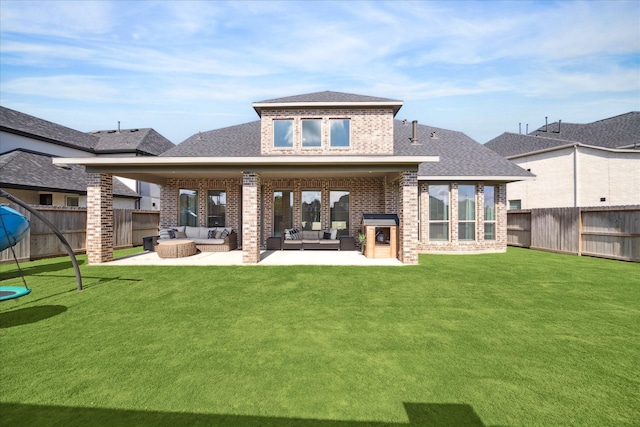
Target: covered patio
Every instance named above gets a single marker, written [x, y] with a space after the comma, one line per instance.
[307, 257]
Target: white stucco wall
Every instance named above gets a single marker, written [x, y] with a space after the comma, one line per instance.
[612, 175]
[9, 142]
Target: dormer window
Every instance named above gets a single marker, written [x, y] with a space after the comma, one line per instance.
[311, 133]
[283, 133]
[340, 135]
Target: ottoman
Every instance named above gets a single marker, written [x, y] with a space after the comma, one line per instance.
[175, 248]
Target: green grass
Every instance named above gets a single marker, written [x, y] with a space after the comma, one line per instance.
[524, 338]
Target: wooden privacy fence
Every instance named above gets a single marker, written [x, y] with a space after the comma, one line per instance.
[612, 232]
[129, 227]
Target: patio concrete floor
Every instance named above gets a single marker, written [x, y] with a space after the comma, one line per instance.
[266, 258]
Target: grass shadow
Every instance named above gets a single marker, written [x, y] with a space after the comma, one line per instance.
[24, 316]
[419, 414]
[38, 269]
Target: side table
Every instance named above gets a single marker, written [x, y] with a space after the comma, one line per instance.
[273, 244]
[347, 243]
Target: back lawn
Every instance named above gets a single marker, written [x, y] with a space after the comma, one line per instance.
[524, 338]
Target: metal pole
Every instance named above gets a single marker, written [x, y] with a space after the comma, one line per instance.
[53, 228]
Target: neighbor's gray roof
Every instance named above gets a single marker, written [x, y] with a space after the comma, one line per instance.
[327, 96]
[35, 171]
[146, 141]
[621, 131]
[460, 156]
[234, 141]
[25, 125]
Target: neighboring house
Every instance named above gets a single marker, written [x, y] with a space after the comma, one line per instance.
[576, 165]
[28, 143]
[321, 161]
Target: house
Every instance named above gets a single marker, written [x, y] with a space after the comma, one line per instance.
[28, 143]
[320, 161]
[576, 165]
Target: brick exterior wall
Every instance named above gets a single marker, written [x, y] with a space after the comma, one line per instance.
[170, 192]
[408, 214]
[371, 131]
[99, 218]
[251, 216]
[453, 245]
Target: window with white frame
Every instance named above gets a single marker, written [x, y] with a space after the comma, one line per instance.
[466, 212]
[439, 212]
[311, 133]
[72, 201]
[489, 212]
[340, 132]
[283, 133]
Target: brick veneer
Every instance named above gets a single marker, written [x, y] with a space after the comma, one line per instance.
[371, 131]
[99, 218]
[408, 213]
[251, 217]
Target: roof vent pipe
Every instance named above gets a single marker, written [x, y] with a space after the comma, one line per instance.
[559, 123]
[546, 124]
[118, 126]
[414, 135]
[520, 128]
[527, 129]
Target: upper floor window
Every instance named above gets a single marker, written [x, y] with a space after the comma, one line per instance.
[46, 199]
[312, 133]
[283, 133]
[515, 205]
[340, 132]
[72, 200]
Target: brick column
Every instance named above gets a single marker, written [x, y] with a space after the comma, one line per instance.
[99, 218]
[250, 217]
[408, 214]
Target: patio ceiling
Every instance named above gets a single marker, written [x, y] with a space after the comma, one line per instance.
[159, 169]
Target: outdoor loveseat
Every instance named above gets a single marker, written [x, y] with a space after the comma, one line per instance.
[310, 239]
[207, 239]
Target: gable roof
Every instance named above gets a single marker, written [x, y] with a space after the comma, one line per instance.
[328, 99]
[32, 127]
[35, 171]
[619, 132]
[460, 156]
[145, 141]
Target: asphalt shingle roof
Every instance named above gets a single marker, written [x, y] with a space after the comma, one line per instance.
[16, 122]
[146, 141]
[328, 96]
[621, 131]
[27, 169]
[460, 155]
[234, 141]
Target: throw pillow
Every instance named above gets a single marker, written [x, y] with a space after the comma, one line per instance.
[219, 234]
[180, 235]
[287, 234]
[295, 235]
[326, 235]
[224, 233]
[172, 233]
[334, 234]
[212, 234]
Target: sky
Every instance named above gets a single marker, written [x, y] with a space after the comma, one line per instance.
[183, 67]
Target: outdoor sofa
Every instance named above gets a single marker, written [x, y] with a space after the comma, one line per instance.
[310, 239]
[207, 239]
